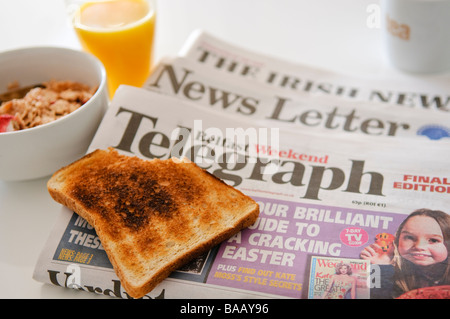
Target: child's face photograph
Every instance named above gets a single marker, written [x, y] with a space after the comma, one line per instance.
[422, 242]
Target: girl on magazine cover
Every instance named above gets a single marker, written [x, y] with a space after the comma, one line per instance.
[341, 283]
[419, 257]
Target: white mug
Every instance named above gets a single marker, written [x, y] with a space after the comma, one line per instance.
[416, 34]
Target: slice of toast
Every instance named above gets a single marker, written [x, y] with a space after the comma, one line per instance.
[152, 216]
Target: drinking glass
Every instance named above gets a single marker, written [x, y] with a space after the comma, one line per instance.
[120, 33]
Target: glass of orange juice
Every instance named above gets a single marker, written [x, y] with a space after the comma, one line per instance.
[120, 33]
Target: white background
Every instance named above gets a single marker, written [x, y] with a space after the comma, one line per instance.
[339, 35]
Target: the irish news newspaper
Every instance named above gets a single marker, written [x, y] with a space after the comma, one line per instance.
[342, 181]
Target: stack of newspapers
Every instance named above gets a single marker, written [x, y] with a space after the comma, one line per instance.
[339, 166]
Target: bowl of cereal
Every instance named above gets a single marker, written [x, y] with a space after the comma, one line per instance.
[52, 122]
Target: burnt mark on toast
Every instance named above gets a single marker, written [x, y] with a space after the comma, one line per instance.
[88, 199]
[136, 203]
[129, 197]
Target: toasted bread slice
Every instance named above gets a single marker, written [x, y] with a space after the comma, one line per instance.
[152, 216]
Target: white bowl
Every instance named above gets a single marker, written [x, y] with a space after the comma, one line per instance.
[40, 151]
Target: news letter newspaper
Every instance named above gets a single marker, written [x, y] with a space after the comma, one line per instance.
[319, 196]
[411, 92]
[271, 106]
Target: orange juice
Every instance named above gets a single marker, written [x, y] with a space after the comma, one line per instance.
[120, 33]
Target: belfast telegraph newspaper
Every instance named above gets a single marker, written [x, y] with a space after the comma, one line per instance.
[325, 194]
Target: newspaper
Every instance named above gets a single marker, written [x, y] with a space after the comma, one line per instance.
[271, 106]
[418, 92]
[318, 196]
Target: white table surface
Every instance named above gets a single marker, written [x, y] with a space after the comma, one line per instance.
[331, 34]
